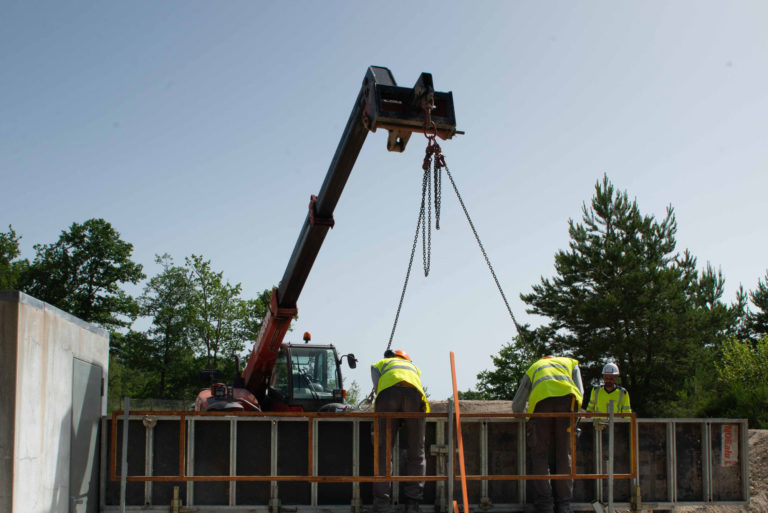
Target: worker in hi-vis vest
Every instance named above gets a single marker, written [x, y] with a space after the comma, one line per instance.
[551, 385]
[609, 391]
[397, 382]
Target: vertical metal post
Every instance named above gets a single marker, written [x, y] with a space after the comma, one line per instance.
[744, 457]
[233, 460]
[598, 454]
[672, 461]
[451, 454]
[357, 500]
[484, 460]
[521, 457]
[190, 471]
[124, 455]
[440, 466]
[274, 499]
[706, 460]
[314, 429]
[610, 456]
[148, 454]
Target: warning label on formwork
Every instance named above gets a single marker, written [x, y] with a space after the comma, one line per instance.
[729, 456]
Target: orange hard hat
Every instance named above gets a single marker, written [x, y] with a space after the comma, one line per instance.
[402, 354]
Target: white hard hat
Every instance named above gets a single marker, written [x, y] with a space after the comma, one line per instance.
[611, 369]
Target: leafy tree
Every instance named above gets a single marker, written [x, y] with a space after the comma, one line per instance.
[166, 347]
[621, 291]
[216, 306]
[742, 382]
[353, 394]
[82, 272]
[251, 314]
[10, 269]
[757, 322]
[510, 365]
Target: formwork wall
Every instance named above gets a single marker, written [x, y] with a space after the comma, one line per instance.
[679, 461]
[41, 351]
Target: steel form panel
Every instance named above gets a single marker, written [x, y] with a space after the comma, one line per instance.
[443, 425]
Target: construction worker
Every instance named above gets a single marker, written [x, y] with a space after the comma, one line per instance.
[609, 391]
[397, 382]
[551, 384]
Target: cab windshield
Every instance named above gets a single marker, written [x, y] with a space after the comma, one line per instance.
[315, 372]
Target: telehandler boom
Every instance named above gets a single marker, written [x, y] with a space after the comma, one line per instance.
[306, 377]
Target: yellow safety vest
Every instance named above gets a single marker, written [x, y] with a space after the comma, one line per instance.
[395, 370]
[599, 399]
[552, 377]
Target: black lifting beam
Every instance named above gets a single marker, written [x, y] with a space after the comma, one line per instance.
[379, 104]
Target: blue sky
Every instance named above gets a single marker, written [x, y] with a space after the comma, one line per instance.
[203, 127]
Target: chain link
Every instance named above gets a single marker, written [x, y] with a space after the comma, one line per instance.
[482, 249]
[434, 163]
[410, 261]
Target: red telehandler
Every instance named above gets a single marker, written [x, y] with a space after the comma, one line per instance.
[307, 377]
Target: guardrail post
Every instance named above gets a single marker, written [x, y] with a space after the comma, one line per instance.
[357, 500]
[274, 499]
[124, 458]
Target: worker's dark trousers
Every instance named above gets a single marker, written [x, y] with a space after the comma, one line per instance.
[401, 398]
[550, 448]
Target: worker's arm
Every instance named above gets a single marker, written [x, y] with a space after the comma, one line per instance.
[576, 377]
[375, 375]
[624, 407]
[520, 402]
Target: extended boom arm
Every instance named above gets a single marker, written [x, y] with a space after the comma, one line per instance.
[380, 104]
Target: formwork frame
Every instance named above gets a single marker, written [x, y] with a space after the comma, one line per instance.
[445, 467]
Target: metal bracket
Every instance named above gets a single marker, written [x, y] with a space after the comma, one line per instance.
[314, 220]
[400, 110]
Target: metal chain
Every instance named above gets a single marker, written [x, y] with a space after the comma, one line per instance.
[482, 249]
[434, 162]
[410, 261]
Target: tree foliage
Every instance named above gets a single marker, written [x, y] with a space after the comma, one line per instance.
[82, 274]
[197, 321]
[621, 291]
[757, 322]
[509, 366]
[11, 268]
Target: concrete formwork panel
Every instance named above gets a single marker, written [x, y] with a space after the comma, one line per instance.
[681, 462]
[39, 346]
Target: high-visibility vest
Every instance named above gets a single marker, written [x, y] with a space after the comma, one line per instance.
[552, 377]
[599, 399]
[392, 371]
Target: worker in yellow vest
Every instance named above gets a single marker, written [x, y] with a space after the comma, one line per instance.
[609, 391]
[397, 382]
[551, 385]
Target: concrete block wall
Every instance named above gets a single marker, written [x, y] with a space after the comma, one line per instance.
[38, 348]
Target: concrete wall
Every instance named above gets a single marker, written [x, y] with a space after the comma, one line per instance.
[38, 345]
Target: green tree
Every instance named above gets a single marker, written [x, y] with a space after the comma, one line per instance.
[10, 268]
[353, 394]
[216, 307]
[165, 350]
[622, 291]
[82, 273]
[509, 366]
[742, 382]
[757, 322]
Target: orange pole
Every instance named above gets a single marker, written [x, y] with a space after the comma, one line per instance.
[458, 437]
